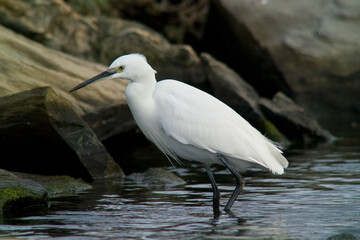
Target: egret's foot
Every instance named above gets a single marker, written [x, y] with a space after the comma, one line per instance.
[216, 201]
[216, 212]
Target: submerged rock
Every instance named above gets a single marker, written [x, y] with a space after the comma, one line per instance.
[21, 192]
[41, 133]
[156, 178]
[17, 194]
[342, 236]
[58, 186]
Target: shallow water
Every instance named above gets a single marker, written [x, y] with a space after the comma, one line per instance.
[318, 197]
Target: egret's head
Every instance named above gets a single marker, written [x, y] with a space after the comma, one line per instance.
[133, 67]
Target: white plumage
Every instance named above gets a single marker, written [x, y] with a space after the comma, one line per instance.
[185, 122]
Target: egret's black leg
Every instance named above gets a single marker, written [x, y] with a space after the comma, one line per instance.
[240, 182]
[216, 196]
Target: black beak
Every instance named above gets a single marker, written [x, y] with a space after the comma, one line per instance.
[93, 79]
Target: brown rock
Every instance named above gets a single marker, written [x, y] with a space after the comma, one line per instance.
[26, 64]
[119, 37]
[57, 25]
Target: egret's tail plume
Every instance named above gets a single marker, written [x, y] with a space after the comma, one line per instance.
[279, 161]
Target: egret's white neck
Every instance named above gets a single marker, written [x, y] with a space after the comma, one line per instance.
[141, 89]
[139, 95]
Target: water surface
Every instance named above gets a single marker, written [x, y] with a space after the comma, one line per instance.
[318, 197]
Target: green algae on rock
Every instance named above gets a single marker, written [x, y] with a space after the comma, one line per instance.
[17, 194]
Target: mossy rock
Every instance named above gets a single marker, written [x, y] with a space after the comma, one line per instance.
[59, 186]
[18, 199]
[65, 186]
[274, 134]
[156, 178]
[17, 195]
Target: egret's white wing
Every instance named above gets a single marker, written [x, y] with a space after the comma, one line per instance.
[195, 118]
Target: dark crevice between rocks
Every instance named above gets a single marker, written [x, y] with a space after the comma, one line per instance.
[21, 28]
[134, 153]
[48, 155]
[245, 55]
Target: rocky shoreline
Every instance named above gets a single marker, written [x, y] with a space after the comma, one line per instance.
[45, 130]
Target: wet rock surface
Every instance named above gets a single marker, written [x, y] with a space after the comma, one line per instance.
[17, 194]
[156, 178]
[21, 192]
[58, 186]
[342, 236]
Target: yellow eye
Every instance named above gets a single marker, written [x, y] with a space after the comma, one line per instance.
[121, 68]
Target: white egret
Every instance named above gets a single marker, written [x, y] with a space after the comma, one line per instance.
[185, 122]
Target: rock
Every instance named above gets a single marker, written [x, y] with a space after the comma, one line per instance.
[170, 61]
[315, 52]
[342, 236]
[178, 21]
[99, 39]
[26, 64]
[18, 195]
[231, 41]
[58, 186]
[57, 25]
[53, 23]
[41, 133]
[292, 120]
[103, 106]
[156, 178]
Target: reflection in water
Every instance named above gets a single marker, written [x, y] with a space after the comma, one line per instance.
[318, 197]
